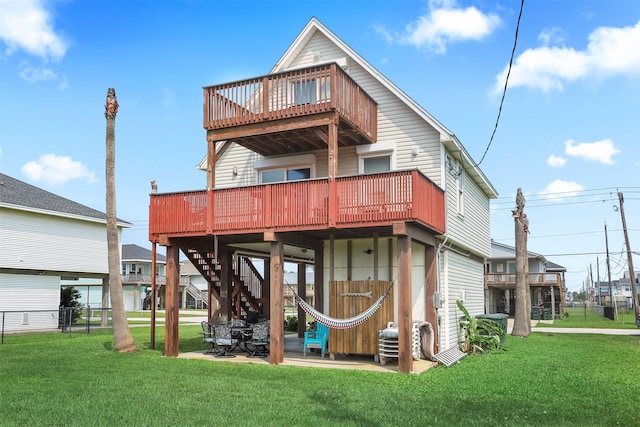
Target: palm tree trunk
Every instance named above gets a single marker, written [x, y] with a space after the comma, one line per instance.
[521, 322]
[122, 339]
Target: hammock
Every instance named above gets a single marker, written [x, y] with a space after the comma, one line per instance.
[334, 323]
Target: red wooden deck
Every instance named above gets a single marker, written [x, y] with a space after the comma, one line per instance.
[360, 201]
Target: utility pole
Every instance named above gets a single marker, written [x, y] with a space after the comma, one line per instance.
[591, 276]
[606, 240]
[634, 289]
[598, 274]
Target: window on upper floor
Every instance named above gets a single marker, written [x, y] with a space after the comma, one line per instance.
[460, 192]
[289, 168]
[376, 164]
[456, 171]
[284, 174]
[312, 91]
[376, 158]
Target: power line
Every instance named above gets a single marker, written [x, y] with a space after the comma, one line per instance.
[602, 192]
[560, 204]
[506, 82]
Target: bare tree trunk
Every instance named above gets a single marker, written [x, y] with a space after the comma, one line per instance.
[122, 339]
[522, 322]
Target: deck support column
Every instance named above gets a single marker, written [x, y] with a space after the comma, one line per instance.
[405, 315]
[302, 292]
[332, 173]
[318, 279]
[172, 290]
[104, 315]
[276, 299]
[225, 281]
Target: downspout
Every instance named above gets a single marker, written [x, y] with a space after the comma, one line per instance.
[439, 285]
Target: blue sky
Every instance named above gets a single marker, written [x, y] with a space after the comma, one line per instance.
[568, 135]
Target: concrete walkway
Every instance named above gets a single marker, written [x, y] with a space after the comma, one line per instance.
[552, 330]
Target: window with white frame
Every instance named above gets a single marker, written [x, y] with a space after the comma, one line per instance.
[290, 168]
[312, 91]
[460, 192]
[376, 158]
[456, 171]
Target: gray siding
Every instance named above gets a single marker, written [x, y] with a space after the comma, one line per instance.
[462, 277]
[45, 242]
[40, 295]
[470, 230]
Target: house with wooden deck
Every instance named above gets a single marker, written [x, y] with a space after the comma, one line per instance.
[41, 238]
[324, 161]
[546, 283]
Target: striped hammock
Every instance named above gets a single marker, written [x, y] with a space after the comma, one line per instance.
[335, 323]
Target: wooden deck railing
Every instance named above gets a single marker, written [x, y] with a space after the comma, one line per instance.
[294, 93]
[362, 201]
[535, 279]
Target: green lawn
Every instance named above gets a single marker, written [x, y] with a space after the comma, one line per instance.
[545, 379]
[578, 317]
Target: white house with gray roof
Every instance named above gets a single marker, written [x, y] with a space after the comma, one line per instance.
[45, 239]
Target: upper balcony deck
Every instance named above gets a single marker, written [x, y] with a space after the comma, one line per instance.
[508, 280]
[281, 113]
[361, 201]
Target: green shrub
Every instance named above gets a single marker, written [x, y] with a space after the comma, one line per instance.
[69, 298]
[291, 323]
[480, 335]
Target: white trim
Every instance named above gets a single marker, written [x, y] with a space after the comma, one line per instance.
[375, 148]
[274, 162]
[122, 224]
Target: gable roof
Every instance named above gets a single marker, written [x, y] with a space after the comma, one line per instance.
[20, 195]
[132, 252]
[447, 138]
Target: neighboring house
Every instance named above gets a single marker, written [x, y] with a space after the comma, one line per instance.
[136, 264]
[325, 162]
[546, 281]
[621, 291]
[46, 240]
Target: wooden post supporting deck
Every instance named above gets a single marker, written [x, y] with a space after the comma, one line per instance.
[302, 292]
[276, 352]
[172, 289]
[154, 293]
[225, 280]
[405, 316]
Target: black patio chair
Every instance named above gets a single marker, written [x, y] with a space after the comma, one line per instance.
[208, 337]
[224, 341]
[259, 340]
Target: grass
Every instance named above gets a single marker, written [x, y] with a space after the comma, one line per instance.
[578, 317]
[545, 379]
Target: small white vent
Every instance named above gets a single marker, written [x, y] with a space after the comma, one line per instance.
[450, 356]
[25, 318]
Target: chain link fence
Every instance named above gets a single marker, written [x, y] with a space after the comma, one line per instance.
[65, 319]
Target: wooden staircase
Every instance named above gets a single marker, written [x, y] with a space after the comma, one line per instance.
[247, 282]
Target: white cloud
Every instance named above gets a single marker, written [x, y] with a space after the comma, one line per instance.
[556, 161]
[57, 170]
[444, 24]
[599, 151]
[27, 25]
[559, 189]
[35, 75]
[552, 35]
[610, 52]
